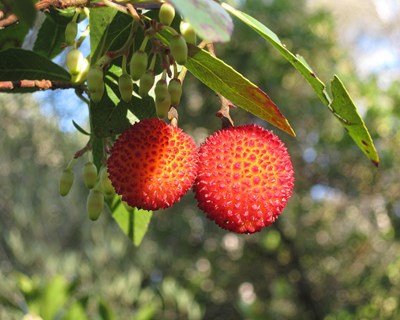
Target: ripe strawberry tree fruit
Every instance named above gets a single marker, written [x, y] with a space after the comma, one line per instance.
[153, 163]
[245, 178]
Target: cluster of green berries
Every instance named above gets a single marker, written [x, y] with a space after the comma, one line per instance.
[98, 183]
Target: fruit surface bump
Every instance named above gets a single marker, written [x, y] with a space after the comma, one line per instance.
[152, 164]
[245, 178]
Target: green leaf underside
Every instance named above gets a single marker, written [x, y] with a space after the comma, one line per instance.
[226, 81]
[345, 110]
[49, 39]
[18, 64]
[134, 223]
[210, 21]
[344, 107]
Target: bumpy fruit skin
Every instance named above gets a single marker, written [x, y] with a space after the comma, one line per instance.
[179, 49]
[138, 64]
[245, 178]
[152, 164]
[66, 181]
[94, 204]
[89, 174]
[166, 13]
[125, 86]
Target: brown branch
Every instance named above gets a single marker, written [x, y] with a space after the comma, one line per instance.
[39, 84]
[223, 112]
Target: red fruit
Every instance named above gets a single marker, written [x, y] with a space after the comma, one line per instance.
[245, 178]
[152, 164]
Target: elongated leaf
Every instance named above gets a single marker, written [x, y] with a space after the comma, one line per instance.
[297, 61]
[346, 111]
[19, 64]
[49, 39]
[210, 21]
[223, 79]
[134, 223]
[80, 129]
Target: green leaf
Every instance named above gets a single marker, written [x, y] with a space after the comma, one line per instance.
[19, 64]
[210, 21]
[133, 222]
[222, 78]
[49, 39]
[25, 10]
[54, 296]
[109, 30]
[297, 61]
[80, 129]
[13, 36]
[97, 152]
[345, 110]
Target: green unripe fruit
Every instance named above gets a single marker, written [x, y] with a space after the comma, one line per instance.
[89, 174]
[146, 83]
[138, 65]
[162, 106]
[125, 86]
[106, 184]
[75, 61]
[82, 75]
[166, 13]
[179, 49]
[94, 204]
[95, 83]
[161, 90]
[71, 31]
[188, 32]
[175, 91]
[66, 181]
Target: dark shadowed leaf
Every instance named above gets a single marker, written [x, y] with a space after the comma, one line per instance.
[19, 64]
[49, 39]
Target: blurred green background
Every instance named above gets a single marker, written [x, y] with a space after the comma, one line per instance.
[333, 254]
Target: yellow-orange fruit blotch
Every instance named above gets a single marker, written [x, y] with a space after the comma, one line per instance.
[152, 164]
[245, 178]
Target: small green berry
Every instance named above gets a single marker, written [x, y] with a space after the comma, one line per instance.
[146, 83]
[166, 14]
[163, 106]
[95, 83]
[175, 91]
[75, 61]
[125, 86]
[66, 181]
[89, 174]
[188, 32]
[106, 184]
[94, 204]
[161, 90]
[71, 30]
[138, 64]
[179, 49]
[82, 75]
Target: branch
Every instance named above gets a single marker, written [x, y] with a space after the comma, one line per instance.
[39, 84]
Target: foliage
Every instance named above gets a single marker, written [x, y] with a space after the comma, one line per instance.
[332, 255]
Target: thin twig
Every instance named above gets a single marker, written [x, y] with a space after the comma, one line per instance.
[39, 84]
